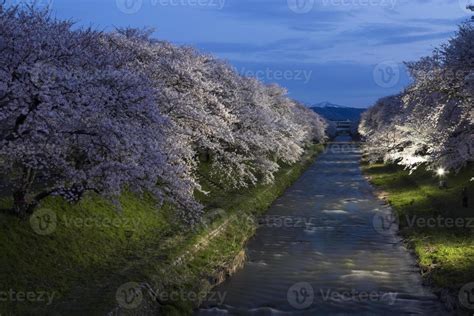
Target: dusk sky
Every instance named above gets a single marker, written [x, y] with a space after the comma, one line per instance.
[347, 52]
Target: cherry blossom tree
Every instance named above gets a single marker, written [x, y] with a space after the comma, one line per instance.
[245, 127]
[431, 123]
[88, 111]
[74, 119]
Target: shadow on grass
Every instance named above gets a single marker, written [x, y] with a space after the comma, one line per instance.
[436, 222]
[94, 248]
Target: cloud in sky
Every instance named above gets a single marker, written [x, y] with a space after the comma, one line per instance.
[339, 41]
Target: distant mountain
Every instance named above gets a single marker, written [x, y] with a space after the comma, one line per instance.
[327, 104]
[334, 112]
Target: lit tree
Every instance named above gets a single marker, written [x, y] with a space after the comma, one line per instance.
[245, 127]
[74, 119]
[431, 123]
[89, 111]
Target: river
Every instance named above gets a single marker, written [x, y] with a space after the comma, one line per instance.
[323, 249]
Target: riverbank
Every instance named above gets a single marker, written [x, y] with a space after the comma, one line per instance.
[89, 258]
[435, 223]
[319, 240]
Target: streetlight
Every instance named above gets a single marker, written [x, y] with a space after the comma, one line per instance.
[441, 173]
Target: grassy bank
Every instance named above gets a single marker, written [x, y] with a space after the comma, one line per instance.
[73, 258]
[434, 221]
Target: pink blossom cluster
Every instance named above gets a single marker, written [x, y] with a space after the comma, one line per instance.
[432, 122]
[83, 110]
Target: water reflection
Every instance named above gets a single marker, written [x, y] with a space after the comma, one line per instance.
[335, 263]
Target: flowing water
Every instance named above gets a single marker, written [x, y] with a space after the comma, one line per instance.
[324, 249]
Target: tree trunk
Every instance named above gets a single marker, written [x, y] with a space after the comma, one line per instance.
[21, 207]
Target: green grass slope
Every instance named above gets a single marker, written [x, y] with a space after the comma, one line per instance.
[434, 221]
[80, 259]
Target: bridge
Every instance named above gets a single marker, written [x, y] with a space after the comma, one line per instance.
[344, 127]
